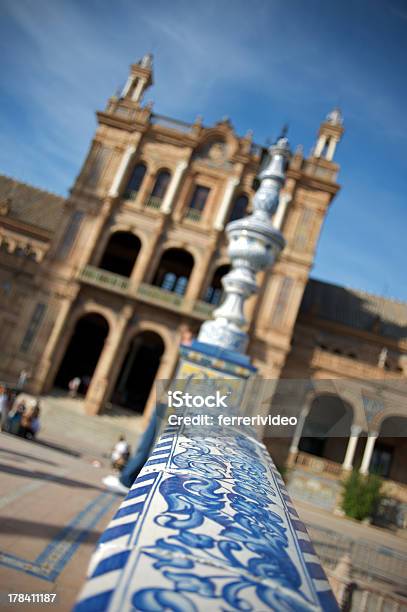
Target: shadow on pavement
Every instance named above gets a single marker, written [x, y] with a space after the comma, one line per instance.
[28, 456]
[58, 447]
[68, 482]
[33, 529]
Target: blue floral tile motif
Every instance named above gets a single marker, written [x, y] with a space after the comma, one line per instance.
[208, 525]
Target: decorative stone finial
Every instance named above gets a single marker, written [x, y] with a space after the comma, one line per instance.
[254, 244]
[147, 61]
[335, 117]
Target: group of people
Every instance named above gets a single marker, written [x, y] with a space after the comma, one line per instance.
[16, 417]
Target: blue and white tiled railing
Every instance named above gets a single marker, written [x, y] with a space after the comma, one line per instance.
[207, 525]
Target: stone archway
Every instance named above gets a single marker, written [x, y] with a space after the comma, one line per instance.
[120, 253]
[174, 270]
[327, 428]
[138, 371]
[83, 351]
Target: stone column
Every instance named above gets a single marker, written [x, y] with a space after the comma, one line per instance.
[50, 361]
[130, 361]
[367, 455]
[355, 432]
[124, 163]
[169, 197]
[127, 86]
[281, 212]
[223, 211]
[165, 372]
[331, 149]
[293, 452]
[319, 147]
[138, 90]
[199, 274]
[103, 378]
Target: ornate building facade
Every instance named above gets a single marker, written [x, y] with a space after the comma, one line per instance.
[105, 283]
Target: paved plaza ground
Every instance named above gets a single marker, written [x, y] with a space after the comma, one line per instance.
[53, 506]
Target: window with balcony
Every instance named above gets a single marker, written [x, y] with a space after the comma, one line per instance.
[197, 202]
[159, 189]
[135, 182]
[174, 271]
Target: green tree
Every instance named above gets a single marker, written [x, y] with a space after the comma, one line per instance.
[361, 494]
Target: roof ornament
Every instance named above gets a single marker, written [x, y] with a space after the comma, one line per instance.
[147, 61]
[335, 117]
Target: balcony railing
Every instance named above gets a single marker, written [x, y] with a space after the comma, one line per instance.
[318, 464]
[145, 292]
[203, 309]
[160, 295]
[193, 215]
[105, 279]
[153, 202]
[130, 194]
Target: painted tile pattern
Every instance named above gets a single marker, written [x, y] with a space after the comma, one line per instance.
[207, 525]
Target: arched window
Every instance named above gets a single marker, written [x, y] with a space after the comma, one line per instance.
[134, 184]
[239, 208]
[213, 294]
[121, 253]
[161, 184]
[174, 270]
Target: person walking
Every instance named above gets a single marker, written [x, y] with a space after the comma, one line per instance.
[121, 484]
[23, 378]
[74, 385]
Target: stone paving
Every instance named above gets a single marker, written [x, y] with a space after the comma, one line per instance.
[53, 506]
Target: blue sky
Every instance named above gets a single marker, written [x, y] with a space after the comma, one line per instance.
[262, 63]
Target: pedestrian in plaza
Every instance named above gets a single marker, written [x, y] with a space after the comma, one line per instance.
[120, 454]
[23, 378]
[14, 418]
[130, 472]
[30, 422]
[74, 385]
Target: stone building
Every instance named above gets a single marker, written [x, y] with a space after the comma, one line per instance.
[105, 283]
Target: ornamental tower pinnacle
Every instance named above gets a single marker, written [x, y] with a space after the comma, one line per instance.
[329, 134]
[139, 79]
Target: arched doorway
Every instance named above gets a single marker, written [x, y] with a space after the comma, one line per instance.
[138, 371]
[174, 270]
[121, 253]
[327, 428]
[213, 294]
[83, 351]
